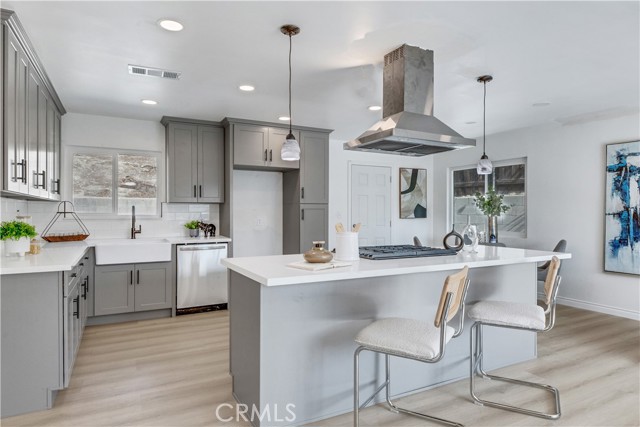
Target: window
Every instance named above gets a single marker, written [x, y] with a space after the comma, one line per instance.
[109, 182]
[508, 178]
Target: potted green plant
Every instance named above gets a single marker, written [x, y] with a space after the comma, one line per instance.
[193, 227]
[491, 204]
[17, 236]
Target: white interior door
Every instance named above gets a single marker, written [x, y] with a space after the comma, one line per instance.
[371, 203]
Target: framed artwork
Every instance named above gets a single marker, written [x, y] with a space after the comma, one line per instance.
[622, 208]
[413, 193]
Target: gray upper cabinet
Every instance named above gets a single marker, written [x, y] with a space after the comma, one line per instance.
[258, 147]
[313, 224]
[195, 161]
[14, 92]
[31, 118]
[126, 288]
[314, 171]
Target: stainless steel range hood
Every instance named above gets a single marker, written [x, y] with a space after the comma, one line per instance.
[408, 127]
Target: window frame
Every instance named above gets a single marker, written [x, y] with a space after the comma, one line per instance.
[497, 163]
[67, 188]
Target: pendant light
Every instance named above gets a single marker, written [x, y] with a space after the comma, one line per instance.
[484, 164]
[290, 149]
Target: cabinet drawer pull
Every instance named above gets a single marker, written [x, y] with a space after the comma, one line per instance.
[303, 214]
[137, 277]
[76, 313]
[131, 277]
[271, 155]
[194, 191]
[302, 191]
[200, 191]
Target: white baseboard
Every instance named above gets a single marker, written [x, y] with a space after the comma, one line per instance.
[600, 308]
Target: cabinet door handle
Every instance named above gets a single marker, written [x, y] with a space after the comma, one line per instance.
[56, 186]
[271, 155]
[76, 313]
[44, 180]
[265, 155]
[137, 277]
[22, 176]
[200, 191]
[303, 214]
[194, 191]
[131, 277]
[302, 191]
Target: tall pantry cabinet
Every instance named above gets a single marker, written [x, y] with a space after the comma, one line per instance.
[31, 118]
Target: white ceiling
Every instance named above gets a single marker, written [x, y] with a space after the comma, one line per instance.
[582, 57]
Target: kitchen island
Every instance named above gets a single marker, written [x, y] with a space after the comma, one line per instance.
[292, 331]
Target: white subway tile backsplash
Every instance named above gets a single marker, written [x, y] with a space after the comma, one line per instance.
[174, 215]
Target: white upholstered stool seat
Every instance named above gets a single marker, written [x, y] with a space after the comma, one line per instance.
[505, 313]
[403, 337]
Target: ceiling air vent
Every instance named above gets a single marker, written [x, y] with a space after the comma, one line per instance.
[153, 72]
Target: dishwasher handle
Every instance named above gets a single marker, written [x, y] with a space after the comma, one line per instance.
[200, 248]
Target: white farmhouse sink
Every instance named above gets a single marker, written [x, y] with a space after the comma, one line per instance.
[128, 251]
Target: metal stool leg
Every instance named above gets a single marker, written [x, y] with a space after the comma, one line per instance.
[477, 369]
[387, 386]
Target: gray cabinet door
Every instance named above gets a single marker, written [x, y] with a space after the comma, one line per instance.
[114, 289]
[35, 167]
[71, 330]
[314, 171]
[250, 145]
[277, 137]
[313, 224]
[41, 180]
[210, 164]
[90, 263]
[182, 157]
[53, 153]
[153, 286]
[57, 153]
[15, 152]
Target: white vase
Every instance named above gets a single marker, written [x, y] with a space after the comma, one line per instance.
[20, 246]
[469, 237]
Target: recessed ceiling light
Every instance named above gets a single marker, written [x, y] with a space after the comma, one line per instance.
[284, 118]
[170, 25]
[470, 123]
[540, 104]
[246, 88]
[375, 108]
[149, 101]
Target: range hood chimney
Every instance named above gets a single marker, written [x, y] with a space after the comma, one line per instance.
[408, 127]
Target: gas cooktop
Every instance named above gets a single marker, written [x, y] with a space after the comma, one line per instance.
[402, 251]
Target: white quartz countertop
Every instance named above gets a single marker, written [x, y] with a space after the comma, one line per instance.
[273, 270]
[53, 257]
[63, 256]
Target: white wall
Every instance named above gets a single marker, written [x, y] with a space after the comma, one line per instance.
[402, 230]
[111, 132]
[257, 213]
[565, 199]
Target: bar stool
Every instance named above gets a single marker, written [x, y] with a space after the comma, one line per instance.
[528, 317]
[412, 339]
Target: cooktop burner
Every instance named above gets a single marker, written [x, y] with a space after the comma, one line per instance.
[402, 251]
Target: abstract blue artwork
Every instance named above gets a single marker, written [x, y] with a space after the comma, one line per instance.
[622, 208]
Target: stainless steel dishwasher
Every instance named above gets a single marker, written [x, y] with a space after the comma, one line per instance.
[202, 279]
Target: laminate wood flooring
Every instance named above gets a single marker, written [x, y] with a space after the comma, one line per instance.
[174, 372]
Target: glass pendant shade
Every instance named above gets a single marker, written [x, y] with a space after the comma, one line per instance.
[484, 166]
[290, 149]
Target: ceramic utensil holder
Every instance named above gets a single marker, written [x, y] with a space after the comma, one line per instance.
[347, 246]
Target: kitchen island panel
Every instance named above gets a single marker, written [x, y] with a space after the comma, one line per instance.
[304, 337]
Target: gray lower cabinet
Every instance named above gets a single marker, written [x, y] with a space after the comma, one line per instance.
[42, 320]
[125, 288]
[304, 224]
[195, 161]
